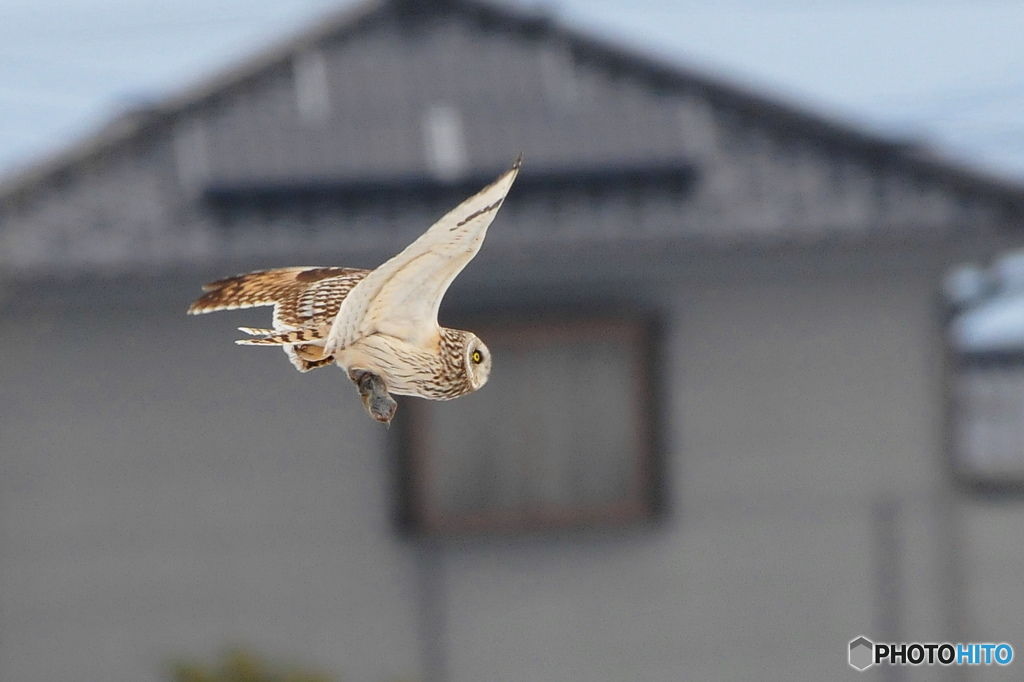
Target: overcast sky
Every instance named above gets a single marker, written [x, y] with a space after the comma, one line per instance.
[948, 73]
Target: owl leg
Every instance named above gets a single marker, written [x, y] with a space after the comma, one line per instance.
[312, 353]
[374, 392]
[305, 358]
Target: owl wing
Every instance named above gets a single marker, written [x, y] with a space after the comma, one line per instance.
[401, 298]
[303, 297]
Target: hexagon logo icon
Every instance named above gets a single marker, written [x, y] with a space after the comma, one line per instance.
[861, 653]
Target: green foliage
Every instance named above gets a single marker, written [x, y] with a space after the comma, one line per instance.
[242, 665]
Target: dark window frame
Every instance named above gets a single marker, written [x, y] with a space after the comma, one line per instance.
[645, 502]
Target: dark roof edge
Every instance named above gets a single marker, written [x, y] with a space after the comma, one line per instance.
[351, 18]
[674, 175]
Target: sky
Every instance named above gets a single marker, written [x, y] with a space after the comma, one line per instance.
[946, 73]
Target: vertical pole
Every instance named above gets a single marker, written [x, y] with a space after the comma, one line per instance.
[885, 517]
[432, 623]
[949, 511]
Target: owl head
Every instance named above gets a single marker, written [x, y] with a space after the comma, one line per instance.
[477, 361]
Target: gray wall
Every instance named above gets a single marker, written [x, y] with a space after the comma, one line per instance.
[165, 492]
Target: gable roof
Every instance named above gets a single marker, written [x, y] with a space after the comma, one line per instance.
[659, 75]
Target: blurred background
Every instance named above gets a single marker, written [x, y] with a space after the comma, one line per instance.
[756, 304]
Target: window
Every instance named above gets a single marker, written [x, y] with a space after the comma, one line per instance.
[989, 416]
[564, 434]
[312, 93]
[445, 140]
[987, 383]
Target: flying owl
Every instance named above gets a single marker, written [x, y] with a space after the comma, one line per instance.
[380, 326]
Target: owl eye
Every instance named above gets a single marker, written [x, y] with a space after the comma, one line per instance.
[477, 357]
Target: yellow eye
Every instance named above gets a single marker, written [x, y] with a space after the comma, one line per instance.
[477, 357]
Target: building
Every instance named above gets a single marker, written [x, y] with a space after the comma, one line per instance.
[782, 478]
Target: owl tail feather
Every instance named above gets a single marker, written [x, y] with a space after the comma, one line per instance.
[275, 338]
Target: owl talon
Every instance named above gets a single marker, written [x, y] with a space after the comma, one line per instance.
[374, 392]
